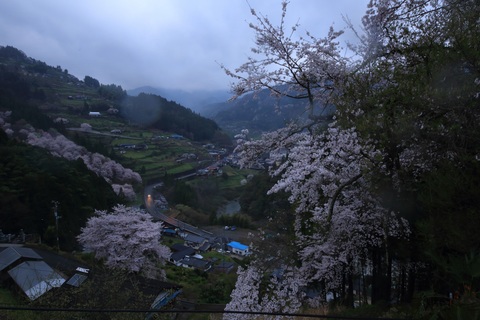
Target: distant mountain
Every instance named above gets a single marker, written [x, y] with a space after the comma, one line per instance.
[195, 100]
[260, 112]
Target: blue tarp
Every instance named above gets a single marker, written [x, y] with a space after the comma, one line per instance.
[237, 245]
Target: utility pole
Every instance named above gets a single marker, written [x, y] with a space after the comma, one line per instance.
[55, 213]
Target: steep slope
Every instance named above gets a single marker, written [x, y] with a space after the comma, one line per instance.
[153, 111]
[61, 95]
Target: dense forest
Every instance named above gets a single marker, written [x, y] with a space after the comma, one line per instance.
[156, 112]
[32, 179]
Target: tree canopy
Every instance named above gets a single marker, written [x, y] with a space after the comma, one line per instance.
[370, 189]
[154, 111]
[127, 239]
[31, 179]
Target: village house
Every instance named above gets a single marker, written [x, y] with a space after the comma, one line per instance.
[179, 252]
[194, 241]
[169, 232]
[238, 248]
[35, 278]
[195, 263]
[183, 256]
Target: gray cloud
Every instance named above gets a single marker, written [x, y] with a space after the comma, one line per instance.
[164, 43]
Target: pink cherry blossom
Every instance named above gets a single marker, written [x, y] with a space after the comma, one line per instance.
[126, 238]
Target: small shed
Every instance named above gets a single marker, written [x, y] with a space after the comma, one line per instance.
[35, 278]
[238, 248]
[79, 277]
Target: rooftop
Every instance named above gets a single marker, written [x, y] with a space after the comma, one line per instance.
[35, 278]
[237, 245]
[12, 254]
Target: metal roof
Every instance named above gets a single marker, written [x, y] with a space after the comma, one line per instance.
[196, 263]
[35, 278]
[194, 238]
[77, 279]
[182, 254]
[177, 247]
[12, 254]
[237, 245]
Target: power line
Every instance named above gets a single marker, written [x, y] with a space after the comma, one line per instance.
[259, 313]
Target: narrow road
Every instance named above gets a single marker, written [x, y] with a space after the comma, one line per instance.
[158, 215]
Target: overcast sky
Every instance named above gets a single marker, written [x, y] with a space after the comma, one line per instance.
[176, 44]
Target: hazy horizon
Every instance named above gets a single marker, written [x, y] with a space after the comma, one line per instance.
[164, 44]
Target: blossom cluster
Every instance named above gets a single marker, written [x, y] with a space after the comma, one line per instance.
[125, 238]
[58, 145]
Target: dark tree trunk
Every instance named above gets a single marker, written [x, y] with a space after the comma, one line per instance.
[350, 298]
[381, 277]
[403, 286]
[375, 276]
[364, 287]
[411, 285]
[388, 280]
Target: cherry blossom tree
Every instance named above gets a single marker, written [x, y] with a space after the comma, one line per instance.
[328, 176]
[4, 124]
[256, 291]
[9, 131]
[397, 119]
[126, 238]
[407, 110]
[242, 136]
[246, 294]
[126, 190]
[60, 146]
[305, 66]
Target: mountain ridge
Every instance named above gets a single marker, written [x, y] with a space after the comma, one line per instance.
[195, 100]
[258, 112]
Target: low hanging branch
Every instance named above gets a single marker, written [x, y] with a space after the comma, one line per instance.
[337, 193]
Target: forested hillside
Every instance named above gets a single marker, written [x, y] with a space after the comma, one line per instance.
[55, 91]
[152, 111]
[31, 179]
[43, 160]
